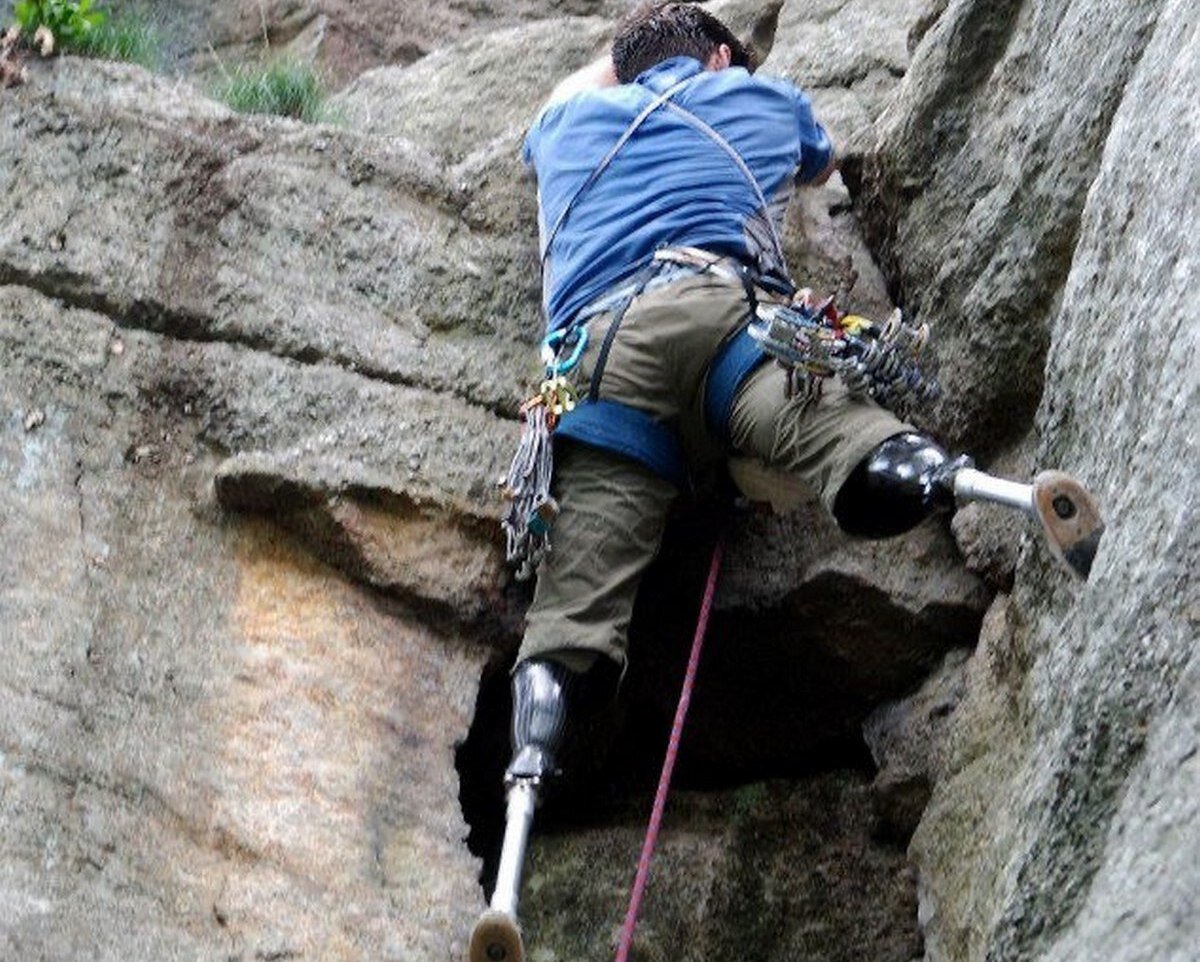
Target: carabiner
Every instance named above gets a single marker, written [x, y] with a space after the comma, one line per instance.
[573, 339]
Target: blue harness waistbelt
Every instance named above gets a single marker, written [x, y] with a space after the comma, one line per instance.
[628, 432]
[736, 359]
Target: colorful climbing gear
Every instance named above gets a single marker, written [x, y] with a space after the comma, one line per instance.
[572, 340]
[880, 361]
[814, 342]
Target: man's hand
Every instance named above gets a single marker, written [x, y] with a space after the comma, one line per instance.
[601, 73]
[851, 167]
[835, 162]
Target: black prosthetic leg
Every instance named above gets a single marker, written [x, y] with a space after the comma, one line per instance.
[549, 698]
[908, 477]
[897, 486]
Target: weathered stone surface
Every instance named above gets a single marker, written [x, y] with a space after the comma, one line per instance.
[1058, 831]
[211, 744]
[983, 166]
[343, 37]
[908, 739]
[768, 872]
[310, 244]
[493, 80]
[849, 55]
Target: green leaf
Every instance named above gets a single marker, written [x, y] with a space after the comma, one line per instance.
[27, 11]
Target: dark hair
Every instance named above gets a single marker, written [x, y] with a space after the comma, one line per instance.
[656, 31]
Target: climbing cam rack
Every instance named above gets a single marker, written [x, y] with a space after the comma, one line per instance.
[880, 361]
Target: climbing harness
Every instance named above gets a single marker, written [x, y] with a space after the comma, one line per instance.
[532, 509]
[526, 485]
[664, 780]
[816, 343]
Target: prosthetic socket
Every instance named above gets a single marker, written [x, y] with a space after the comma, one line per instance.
[548, 697]
[899, 484]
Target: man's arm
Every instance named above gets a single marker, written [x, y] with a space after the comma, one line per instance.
[835, 163]
[595, 75]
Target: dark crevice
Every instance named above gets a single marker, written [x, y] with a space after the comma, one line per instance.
[480, 760]
[759, 713]
[763, 31]
[925, 23]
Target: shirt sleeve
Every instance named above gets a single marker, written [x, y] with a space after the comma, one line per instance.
[529, 147]
[533, 139]
[816, 150]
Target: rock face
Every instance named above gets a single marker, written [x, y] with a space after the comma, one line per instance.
[258, 377]
[979, 222]
[159, 800]
[1058, 826]
[341, 37]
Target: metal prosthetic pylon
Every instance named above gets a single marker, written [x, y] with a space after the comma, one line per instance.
[543, 688]
[1068, 514]
[496, 936]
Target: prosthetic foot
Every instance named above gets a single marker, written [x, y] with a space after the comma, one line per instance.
[545, 695]
[1066, 510]
[908, 477]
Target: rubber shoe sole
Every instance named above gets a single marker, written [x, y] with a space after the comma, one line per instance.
[1070, 519]
[496, 938]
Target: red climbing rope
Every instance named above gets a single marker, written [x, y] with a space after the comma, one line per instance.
[664, 780]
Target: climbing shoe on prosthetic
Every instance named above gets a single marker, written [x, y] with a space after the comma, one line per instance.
[1070, 520]
[897, 486]
[496, 937]
[1069, 516]
[549, 701]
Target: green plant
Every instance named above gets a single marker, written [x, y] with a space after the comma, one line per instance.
[126, 36]
[284, 87]
[71, 21]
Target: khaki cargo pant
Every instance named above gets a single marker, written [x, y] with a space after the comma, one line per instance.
[613, 510]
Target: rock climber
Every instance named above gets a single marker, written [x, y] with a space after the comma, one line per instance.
[663, 172]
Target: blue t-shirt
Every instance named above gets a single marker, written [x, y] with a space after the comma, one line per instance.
[670, 184]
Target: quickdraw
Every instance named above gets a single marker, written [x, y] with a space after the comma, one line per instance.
[526, 485]
[880, 361]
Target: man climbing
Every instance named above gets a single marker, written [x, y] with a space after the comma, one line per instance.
[663, 173]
